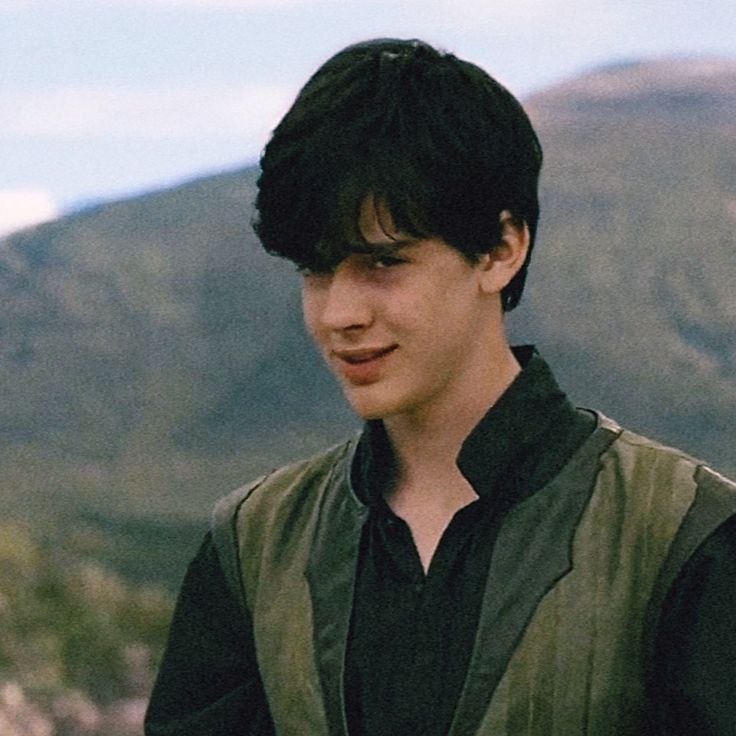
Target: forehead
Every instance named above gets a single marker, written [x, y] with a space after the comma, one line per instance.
[371, 230]
[375, 223]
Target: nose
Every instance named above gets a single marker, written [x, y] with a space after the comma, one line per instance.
[344, 303]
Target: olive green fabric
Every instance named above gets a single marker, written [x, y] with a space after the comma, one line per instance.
[568, 616]
[577, 668]
[275, 530]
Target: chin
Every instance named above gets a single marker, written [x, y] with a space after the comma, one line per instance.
[368, 412]
[369, 407]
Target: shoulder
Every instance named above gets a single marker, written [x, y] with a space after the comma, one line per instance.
[640, 457]
[270, 494]
[644, 450]
[670, 481]
[279, 484]
[663, 487]
[710, 497]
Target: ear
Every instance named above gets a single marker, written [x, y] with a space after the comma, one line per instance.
[503, 262]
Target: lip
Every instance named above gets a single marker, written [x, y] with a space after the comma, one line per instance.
[362, 365]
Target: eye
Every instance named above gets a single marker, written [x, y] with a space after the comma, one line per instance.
[313, 271]
[387, 261]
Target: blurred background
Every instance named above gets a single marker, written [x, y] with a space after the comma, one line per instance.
[152, 358]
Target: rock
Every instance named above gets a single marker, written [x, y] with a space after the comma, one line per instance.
[18, 717]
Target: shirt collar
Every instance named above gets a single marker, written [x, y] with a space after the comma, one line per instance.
[510, 435]
[502, 449]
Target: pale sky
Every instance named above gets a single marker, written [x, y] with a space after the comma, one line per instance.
[103, 99]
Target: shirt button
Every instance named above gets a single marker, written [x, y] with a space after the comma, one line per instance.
[418, 587]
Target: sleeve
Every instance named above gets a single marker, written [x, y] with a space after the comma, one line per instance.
[694, 690]
[208, 683]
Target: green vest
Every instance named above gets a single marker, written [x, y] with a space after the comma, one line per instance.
[578, 575]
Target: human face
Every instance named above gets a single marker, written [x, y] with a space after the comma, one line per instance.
[405, 325]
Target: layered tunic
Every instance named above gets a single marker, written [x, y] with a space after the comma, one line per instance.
[552, 604]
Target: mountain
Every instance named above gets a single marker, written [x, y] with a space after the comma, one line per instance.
[152, 356]
[632, 292]
[149, 356]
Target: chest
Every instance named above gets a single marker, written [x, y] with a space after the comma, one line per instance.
[412, 631]
[530, 629]
[428, 512]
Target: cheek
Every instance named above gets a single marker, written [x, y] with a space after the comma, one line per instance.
[312, 309]
[310, 314]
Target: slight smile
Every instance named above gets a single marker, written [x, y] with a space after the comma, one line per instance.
[362, 365]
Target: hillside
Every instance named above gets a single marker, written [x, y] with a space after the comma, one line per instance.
[633, 285]
[148, 355]
[153, 357]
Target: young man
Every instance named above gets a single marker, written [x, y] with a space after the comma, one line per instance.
[484, 558]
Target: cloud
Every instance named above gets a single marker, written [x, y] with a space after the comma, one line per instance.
[21, 208]
[74, 112]
[219, 4]
[205, 5]
[12, 6]
[518, 18]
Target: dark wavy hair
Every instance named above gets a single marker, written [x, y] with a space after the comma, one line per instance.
[443, 146]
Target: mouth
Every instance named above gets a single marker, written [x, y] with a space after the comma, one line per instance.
[363, 355]
[362, 366]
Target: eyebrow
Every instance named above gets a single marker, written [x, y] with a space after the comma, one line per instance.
[384, 246]
[326, 257]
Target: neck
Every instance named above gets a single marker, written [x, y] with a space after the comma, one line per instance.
[426, 445]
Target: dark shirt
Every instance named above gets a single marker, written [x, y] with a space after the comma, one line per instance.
[412, 634]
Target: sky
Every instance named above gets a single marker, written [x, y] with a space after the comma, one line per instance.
[106, 99]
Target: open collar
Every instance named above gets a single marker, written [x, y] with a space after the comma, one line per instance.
[500, 458]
